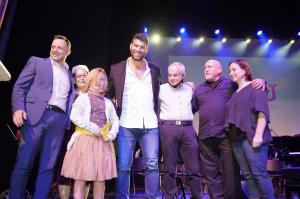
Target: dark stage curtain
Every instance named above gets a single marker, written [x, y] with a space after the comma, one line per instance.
[7, 12]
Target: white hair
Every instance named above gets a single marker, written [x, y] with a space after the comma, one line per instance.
[178, 65]
[82, 67]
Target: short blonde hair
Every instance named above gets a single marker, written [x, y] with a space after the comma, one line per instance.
[94, 75]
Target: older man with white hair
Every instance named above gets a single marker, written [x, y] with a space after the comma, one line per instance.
[177, 132]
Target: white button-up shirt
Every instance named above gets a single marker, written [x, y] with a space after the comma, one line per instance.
[175, 103]
[137, 102]
[61, 85]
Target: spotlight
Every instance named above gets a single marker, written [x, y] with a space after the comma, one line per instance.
[260, 32]
[270, 41]
[224, 40]
[178, 39]
[145, 29]
[217, 31]
[248, 40]
[299, 33]
[292, 41]
[201, 39]
[156, 38]
[182, 30]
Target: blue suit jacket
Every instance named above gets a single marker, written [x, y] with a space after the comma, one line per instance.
[33, 89]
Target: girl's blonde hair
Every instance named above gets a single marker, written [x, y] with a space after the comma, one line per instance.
[94, 75]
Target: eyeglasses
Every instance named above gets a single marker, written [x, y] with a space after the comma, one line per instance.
[80, 76]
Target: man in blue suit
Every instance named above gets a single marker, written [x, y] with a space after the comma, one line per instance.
[41, 102]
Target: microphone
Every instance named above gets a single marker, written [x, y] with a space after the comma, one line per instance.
[18, 133]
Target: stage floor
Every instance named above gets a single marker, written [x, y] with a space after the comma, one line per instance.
[140, 194]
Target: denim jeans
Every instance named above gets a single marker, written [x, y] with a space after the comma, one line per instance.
[149, 142]
[253, 163]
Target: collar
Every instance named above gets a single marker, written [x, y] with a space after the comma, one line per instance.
[66, 66]
[146, 62]
[213, 84]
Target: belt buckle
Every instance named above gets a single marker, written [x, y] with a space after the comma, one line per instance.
[178, 123]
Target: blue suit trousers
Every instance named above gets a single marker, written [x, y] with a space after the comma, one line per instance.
[43, 139]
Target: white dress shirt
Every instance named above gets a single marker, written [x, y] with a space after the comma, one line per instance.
[61, 85]
[137, 102]
[175, 103]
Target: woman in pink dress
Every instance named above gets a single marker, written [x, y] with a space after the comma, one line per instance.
[90, 153]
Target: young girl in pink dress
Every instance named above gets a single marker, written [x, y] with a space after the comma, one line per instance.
[90, 155]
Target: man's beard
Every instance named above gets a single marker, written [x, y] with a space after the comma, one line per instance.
[140, 58]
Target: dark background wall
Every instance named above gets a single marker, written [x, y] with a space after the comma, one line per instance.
[100, 32]
[87, 25]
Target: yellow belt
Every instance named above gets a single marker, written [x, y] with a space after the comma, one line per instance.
[82, 131]
[104, 130]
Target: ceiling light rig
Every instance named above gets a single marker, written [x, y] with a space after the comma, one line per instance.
[217, 33]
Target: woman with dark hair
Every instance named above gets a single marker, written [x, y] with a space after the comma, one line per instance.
[247, 121]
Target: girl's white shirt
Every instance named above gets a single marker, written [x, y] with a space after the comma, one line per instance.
[81, 114]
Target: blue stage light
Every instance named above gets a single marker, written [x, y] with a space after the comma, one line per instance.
[217, 31]
[182, 30]
[260, 32]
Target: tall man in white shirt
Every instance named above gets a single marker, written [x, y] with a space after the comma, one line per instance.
[178, 135]
[134, 84]
[41, 103]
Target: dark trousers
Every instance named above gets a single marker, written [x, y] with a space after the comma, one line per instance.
[45, 139]
[183, 140]
[220, 168]
[61, 180]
